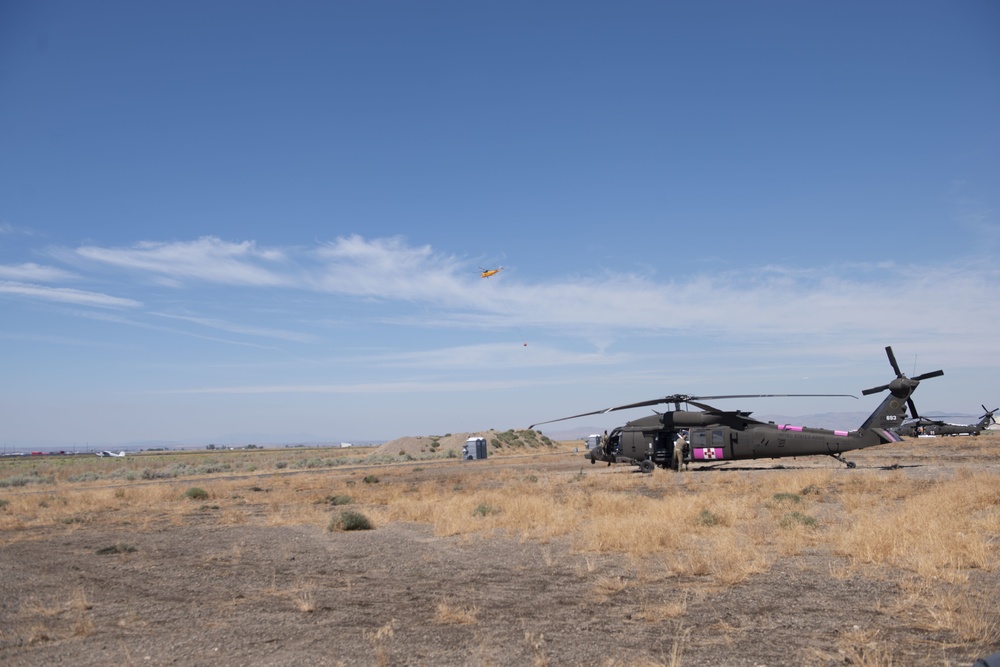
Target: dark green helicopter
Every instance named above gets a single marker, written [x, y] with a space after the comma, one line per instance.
[927, 426]
[670, 439]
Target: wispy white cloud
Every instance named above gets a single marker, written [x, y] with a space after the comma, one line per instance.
[403, 387]
[389, 269]
[232, 327]
[116, 319]
[762, 301]
[490, 356]
[65, 295]
[853, 301]
[208, 258]
[7, 228]
[34, 272]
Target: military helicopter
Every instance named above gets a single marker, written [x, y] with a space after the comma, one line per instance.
[670, 439]
[928, 426]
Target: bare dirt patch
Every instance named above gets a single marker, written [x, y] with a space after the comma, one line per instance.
[241, 578]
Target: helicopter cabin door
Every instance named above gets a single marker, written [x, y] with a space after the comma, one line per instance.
[710, 444]
[637, 444]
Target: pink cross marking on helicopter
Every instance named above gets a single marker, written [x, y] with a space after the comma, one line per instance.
[708, 453]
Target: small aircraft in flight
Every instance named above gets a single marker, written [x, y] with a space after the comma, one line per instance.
[487, 273]
[928, 426]
[106, 453]
[710, 435]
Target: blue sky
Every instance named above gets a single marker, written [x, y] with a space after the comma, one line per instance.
[236, 220]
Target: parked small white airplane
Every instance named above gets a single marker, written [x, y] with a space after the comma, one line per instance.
[107, 453]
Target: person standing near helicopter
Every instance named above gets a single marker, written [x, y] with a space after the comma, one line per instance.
[680, 450]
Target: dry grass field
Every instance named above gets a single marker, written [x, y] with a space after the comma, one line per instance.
[533, 557]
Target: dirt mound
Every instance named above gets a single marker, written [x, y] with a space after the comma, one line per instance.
[430, 444]
[497, 442]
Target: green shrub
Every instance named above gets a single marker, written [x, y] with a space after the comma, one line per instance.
[349, 520]
[84, 477]
[4, 503]
[25, 479]
[194, 493]
[790, 497]
[797, 518]
[281, 464]
[707, 518]
[370, 479]
[212, 468]
[175, 470]
[116, 549]
[482, 510]
[339, 500]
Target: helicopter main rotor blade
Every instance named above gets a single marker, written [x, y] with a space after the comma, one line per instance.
[892, 360]
[874, 390]
[715, 398]
[924, 376]
[706, 407]
[562, 419]
[683, 398]
[913, 408]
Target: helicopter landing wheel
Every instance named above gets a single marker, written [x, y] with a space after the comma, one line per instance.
[849, 464]
[647, 466]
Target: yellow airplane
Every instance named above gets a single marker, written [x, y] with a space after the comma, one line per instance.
[490, 272]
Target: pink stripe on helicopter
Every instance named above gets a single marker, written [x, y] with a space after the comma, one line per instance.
[708, 453]
[787, 427]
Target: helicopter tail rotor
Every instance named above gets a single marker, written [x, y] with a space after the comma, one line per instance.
[988, 415]
[902, 383]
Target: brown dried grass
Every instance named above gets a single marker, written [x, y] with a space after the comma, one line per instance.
[451, 612]
[934, 528]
